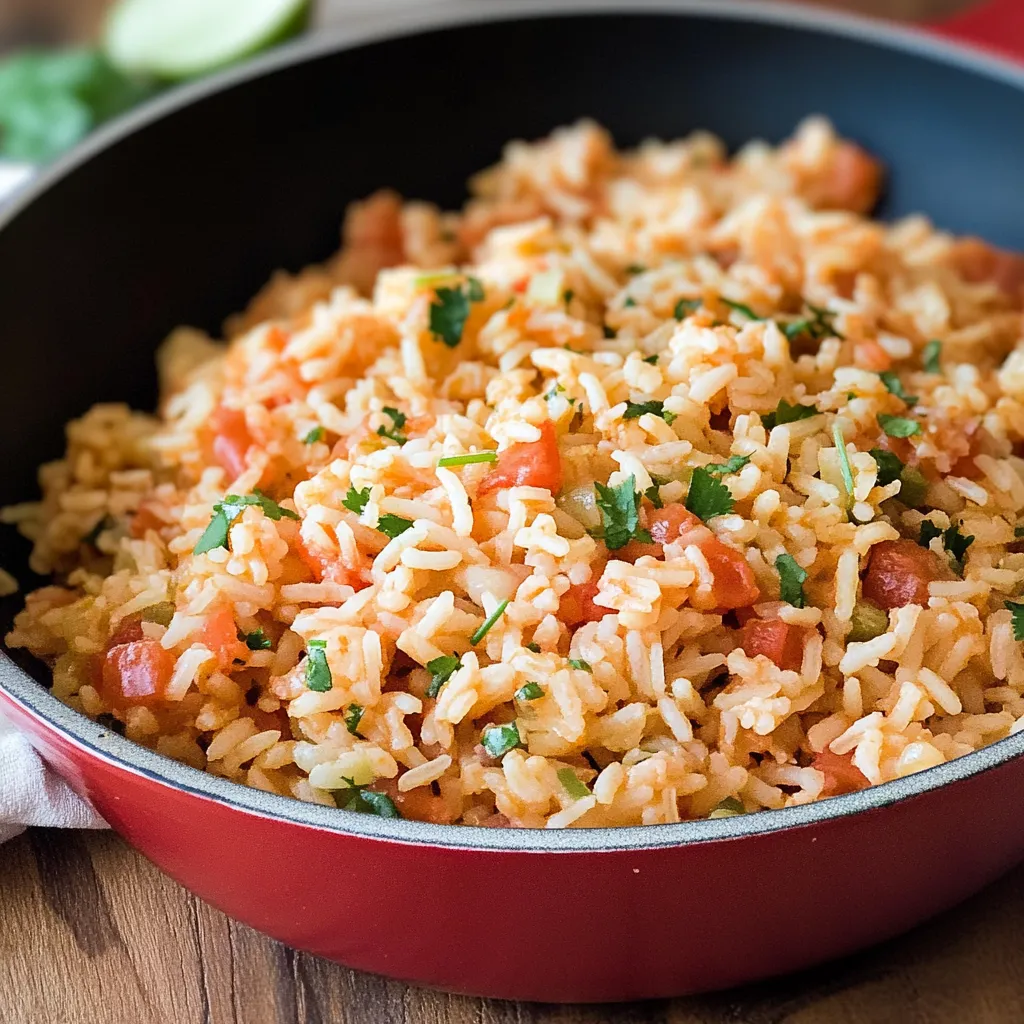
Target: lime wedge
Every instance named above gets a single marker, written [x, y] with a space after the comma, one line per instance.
[183, 38]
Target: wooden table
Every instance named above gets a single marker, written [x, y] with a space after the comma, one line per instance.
[91, 933]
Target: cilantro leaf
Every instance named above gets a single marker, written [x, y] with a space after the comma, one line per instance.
[355, 501]
[393, 526]
[216, 533]
[730, 807]
[441, 670]
[318, 672]
[894, 386]
[635, 268]
[353, 716]
[651, 360]
[653, 495]
[450, 310]
[227, 511]
[579, 663]
[369, 801]
[634, 410]
[1017, 610]
[929, 531]
[733, 465]
[488, 623]
[818, 326]
[316, 434]
[708, 497]
[620, 513]
[529, 691]
[791, 580]
[931, 356]
[889, 466]
[739, 307]
[533, 646]
[953, 540]
[257, 640]
[686, 307]
[786, 413]
[898, 426]
[498, 740]
[398, 420]
[571, 784]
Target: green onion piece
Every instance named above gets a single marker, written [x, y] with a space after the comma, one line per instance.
[468, 460]
[866, 623]
[571, 784]
[529, 691]
[844, 462]
[498, 740]
[739, 307]
[489, 623]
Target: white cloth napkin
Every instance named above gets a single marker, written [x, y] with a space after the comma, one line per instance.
[31, 794]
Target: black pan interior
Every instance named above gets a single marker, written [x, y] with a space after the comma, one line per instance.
[184, 219]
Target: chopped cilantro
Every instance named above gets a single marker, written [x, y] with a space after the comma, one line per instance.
[739, 307]
[316, 434]
[931, 355]
[913, 487]
[367, 801]
[635, 268]
[568, 295]
[653, 495]
[652, 360]
[708, 497]
[844, 461]
[227, 511]
[929, 531]
[488, 623]
[786, 413]
[1017, 610]
[393, 526]
[355, 501]
[533, 646]
[581, 665]
[441, 670]
[889, 466]
[398, 420]
[953, 540]
[791, 580]
[620, 514]
[468, 460]
[634, 410]
[571, 784]
[686, 307]
[318, 672]
[629, 303]
[898, 426]
[819, 325]
[733, 465]
[609, 332]
[450, 310]
[498, 740]
[730, 807]
[353, 716]
[895, 387]
[529, 691]
[257, 640]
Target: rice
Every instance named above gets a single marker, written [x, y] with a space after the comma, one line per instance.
[653, 485]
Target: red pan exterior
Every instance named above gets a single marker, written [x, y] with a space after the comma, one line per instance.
[566, 926]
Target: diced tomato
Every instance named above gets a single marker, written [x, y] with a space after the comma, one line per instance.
[136, 673]
[672, 522]
[840, 774]
[576, 605]
[869, 355]
[420, 804]
[899, 572]
[325, 567]
[978, 261]
[533, 464]
[220, 635]
[734, 585]
[776, 640]
[128, 630]
[144, 520]
[231, 439]
[854, 180]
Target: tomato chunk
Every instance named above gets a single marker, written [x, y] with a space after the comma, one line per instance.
[532, 464]
[576, 605]
[854, 180]
[899, 572]
[145, 519]
[231, 439]
[869, 355]
[776, 640]
[734, 585]
[672, 522]
[128, 630]
[841, 776]
[136, 673]
[220, 635]
[326, 567]
[978, 261]
[420, 804]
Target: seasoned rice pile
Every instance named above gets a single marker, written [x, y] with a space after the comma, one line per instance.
[654, 485]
